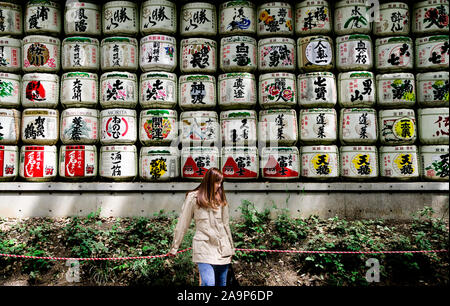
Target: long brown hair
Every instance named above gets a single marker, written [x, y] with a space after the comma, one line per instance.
[206, 197]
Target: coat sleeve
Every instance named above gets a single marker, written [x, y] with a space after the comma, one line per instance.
[226, 222]
[187, 213]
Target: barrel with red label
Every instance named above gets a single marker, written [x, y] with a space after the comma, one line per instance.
[240, 163]
[78, 162]
[9, 163]
[196, 161]
[38, 163]
[280, 163]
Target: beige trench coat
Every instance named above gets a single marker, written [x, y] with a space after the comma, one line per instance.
[212, 242]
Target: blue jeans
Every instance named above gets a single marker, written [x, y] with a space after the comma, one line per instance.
[213, 275]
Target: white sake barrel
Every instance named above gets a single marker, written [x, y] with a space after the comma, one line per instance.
[240, 163]
[238, 54]
[354, 52]
[10, 90]
[12, 22]
[40, 90]
[237, 90]
[9, 163]
[432, 89]
[120, 18]
[351, 17]
[118, 126]
[38, 163]
[199, 128]
[434, 163]
[158, 52]
[238, 127]
[198, 55]
[197, 91]
[79, 126]
[10, 54]
[317, 89]
[80, 54]
[358, 162]
[394, 54]
[275, 19]
[312, 17]
[320, 162]
[276, 54]
[198, 19]
[119, 53]
[318, 126]
[277, 90]
[10, 120]
[158, 16]
[237, 18]
[118, 163]
[196, 161]
[396, 90]
[158, 89]
[159, 163]
[433, 125]
[278, 127]
[40, 126]
[158, 126]
[430, 17]
[397, 126]
[399, 162]
[78, 162]
[82, 18]
[42, 17]
[394, 19]
[315, 53]
[41, 54]
[358, 126]
[432, 53]
[280, 163]
[356, 89]
[79, 89]
[118, 89]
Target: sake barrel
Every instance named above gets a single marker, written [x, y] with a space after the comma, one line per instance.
[196, 161]
[10, 86]
[158, 52]
[120, 18]
[158, 126]
[79, 126]
[278, 127]
[433, 125]
[280, 163]
[118, 89]
[80, 54]
[79, 89]
[41, 54]
[12, 23]
[434, 162]
[352, 17]
[320, 162]
[9, 126]
[158, 89]
[42, 16]
[237, 18]
[432, 53]
[396, 90]
[10, 54]
[394, 54]
[317, 89]
[197, 91]
[432, 89]
[358, 126]
[40, 90]
[237, 90]
[394, 19]
[240, 163]
[238, 127]
[430, 17]
[315, 53]
[78, 162]
[9, 163]
[238, 54]
[276, 54]
[312, 17]
[159, 163]
[118, 126]
[399, 162]
[359, 162]
[82, 18]
[118, 162]
[119, 53]
[318, 125]
[275, 18]
[40, 126]
[397, 126]
[158, 16]
[356, 89]
[277, 90]
[38, 163]
[198, 55]
[199, 128]
[198, 19]
[354, 52]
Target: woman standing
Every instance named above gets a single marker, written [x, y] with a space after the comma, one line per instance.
[212, 245]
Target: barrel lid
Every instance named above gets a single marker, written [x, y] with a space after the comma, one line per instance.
[41, 39]
[51, 148]
[398, 149]
[79, 147]
[238, 114]
[195, 5]
[8, 41]
[159, 112]
[236, 74]
[343, 3]
[158, 2]
[389, 40]
[251, 149]
[314, 74]
[118, 111]
[241, 38]
[116, 39]
[159, 74]
[391, 112]
[40, 111]
[194, 41]
[352, 36]
[43, 2]
[319, 148]
[79, 75]
[119, 4]
[9, 148]
[158, 37]
[433, 111]
[81, 39]
[429, 3]
[355, 74]
[200, 113]
[358, 110]
[435, 38]
[229, 4]
[131, 148]
[307, 39]
[188, 150]
[399, 75]
[292, 149]
[276, 40]
[309, 3]
[434, 149]
[7, 75]
[317, 110]
[85, 4]
[160, 150]
[401, 5]
[272, 75]
[80, 112]
[435, 75]
[40, 76]
[265, 112]
[118, 74]
[358, 148]
[9, 112]
[197, 77]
